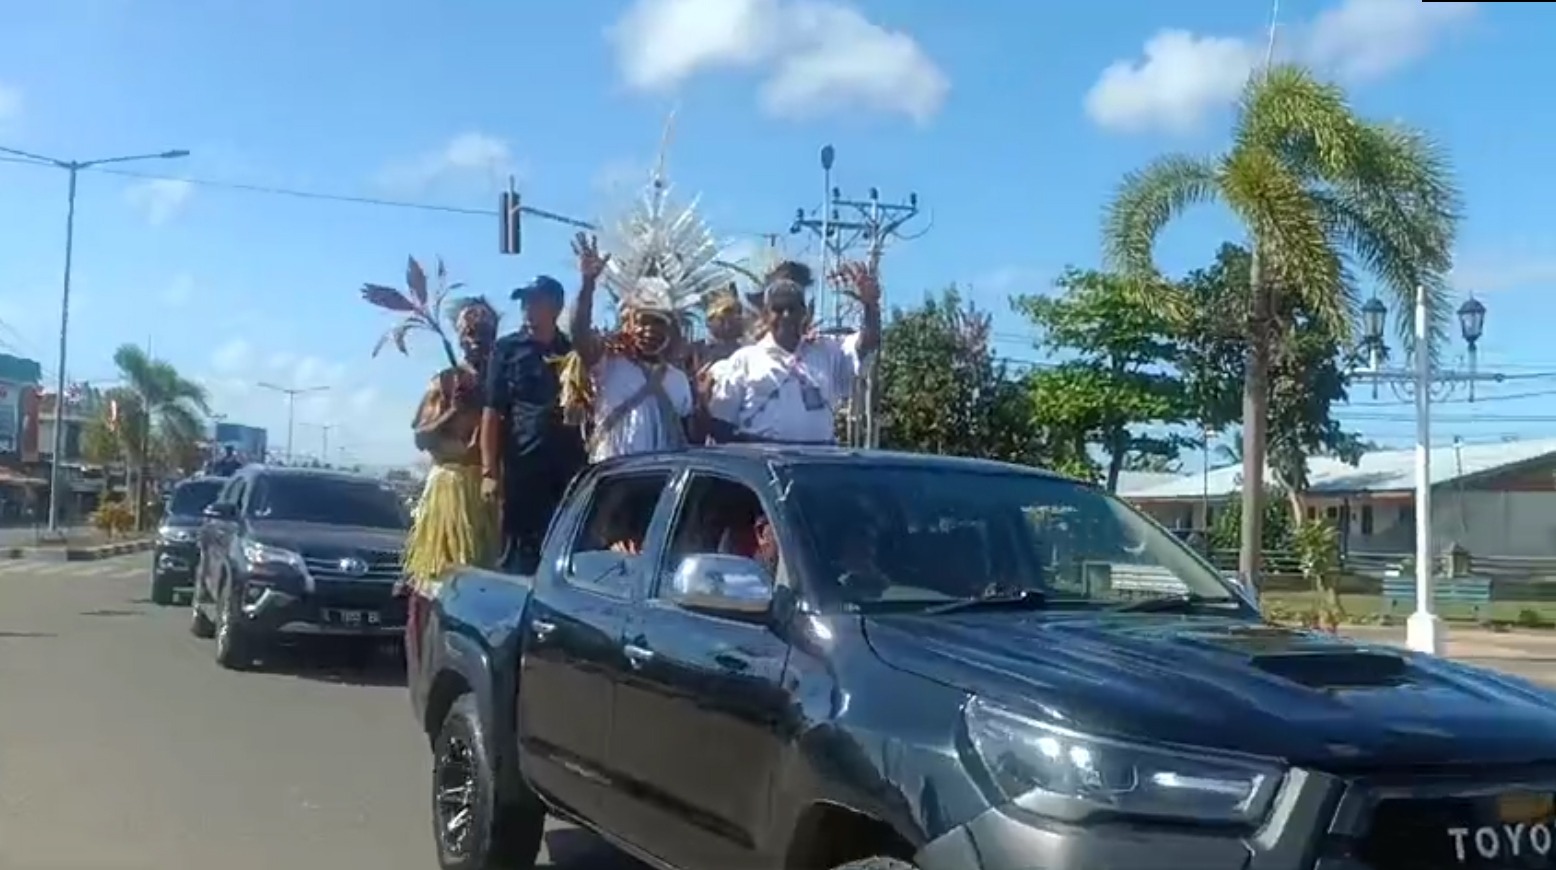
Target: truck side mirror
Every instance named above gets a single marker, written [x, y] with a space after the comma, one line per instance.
[722, 585]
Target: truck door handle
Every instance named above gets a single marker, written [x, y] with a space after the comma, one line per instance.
[542, 628]
[638, 656]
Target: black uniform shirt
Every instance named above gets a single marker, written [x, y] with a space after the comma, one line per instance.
[523, 384]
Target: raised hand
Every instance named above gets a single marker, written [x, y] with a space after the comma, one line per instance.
[591, 263]
[862, 281]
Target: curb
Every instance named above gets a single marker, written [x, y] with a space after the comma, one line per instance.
[77, 554]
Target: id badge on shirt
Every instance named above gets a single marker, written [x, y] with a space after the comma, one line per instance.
[810, 394]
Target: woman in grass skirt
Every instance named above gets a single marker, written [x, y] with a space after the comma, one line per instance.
[454, 525]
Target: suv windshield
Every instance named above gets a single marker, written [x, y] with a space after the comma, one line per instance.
[192, 497]
[932, 535]
[332, 501]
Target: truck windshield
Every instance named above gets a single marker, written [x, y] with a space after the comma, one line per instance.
[331, 501]
[190, 498]
[909, 536]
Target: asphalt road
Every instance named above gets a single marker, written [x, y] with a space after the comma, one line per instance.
[124, 747]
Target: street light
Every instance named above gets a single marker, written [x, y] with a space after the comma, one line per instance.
[73, 168]
[291, 394]
[1422, 383]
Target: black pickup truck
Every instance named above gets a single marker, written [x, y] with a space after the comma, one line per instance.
[784, 657]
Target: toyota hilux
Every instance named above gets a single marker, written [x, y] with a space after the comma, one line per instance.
[798, 657]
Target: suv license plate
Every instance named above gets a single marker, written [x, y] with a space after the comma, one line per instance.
[353, 618]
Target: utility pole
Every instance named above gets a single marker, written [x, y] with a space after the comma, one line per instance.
[291, 394]
[843, 225]
[324, 433]
[73, 169]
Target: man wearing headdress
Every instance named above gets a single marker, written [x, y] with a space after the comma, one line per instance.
[454, 524]
[637, 399]
[787, 386]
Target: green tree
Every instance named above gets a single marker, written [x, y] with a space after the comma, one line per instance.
[160, 416]
[1119, 376]
[1307, 366]
[1319, 190]
[942, 390]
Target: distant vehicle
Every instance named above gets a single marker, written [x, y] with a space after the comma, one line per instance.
[791, 658]
[177, 550]
[298, 552]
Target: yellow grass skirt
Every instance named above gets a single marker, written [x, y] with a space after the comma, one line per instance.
[454, 526]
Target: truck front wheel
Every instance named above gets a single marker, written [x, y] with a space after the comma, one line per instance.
[475, 827]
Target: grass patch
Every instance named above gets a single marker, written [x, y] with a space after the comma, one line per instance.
[1363, 609]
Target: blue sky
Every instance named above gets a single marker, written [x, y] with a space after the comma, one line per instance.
[1012, 121]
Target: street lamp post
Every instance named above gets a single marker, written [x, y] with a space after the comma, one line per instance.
[1422, 382]
[73, 169]
[291, 394]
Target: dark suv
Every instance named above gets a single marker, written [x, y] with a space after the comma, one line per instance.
[293, 551]
[178, 548]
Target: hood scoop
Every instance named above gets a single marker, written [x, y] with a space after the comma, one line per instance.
[1337, 669]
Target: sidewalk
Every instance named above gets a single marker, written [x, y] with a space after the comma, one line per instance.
[1468, 642]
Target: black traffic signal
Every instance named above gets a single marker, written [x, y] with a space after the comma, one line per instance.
[508, 211]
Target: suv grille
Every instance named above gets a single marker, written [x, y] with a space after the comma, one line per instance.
[1459, 834]
[380, 566]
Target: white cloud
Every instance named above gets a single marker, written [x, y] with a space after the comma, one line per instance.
[233, 356]
[815, 56]
[10, 101]
[178, 291]
[160, 199]
[1182, 78]
[468, 156]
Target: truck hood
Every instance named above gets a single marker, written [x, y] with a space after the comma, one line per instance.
[326, 541]
[1309, 698]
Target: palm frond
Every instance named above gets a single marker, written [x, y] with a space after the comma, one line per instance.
[1290, 234]
[1145, 203]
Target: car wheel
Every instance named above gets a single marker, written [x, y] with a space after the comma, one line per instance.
[474, 827]
[200, 625]
[231, 643]
[162, 589]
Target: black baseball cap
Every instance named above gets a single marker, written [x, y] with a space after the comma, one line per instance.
[543, 287]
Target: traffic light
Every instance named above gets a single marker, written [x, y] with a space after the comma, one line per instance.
[508, 211]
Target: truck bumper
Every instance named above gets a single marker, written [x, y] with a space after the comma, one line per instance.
[1010, 839]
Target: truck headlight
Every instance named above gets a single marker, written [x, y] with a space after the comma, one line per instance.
[259, 555]
[1063, 774]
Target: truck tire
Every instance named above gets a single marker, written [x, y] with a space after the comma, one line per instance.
[879, 862]
[200, 625]
[161, 589]
[474, 827]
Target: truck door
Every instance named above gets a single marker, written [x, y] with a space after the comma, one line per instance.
[572, 656]
[700, 712]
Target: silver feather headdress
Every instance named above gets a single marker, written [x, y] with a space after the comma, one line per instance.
[663, 256]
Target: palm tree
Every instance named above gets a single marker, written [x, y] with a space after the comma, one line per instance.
[1321, 193]
[161, 414]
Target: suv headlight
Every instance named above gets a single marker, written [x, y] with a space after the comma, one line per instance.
[175, 535]
[257, 555]
[1063, 774]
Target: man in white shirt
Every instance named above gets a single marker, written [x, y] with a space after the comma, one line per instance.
[787, 387]
[638, 402]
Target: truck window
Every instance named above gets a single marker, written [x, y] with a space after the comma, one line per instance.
[613, 530]
[721, 516]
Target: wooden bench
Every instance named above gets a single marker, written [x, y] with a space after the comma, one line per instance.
[1399, 594]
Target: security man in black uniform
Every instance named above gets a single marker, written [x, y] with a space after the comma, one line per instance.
[528, 454]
